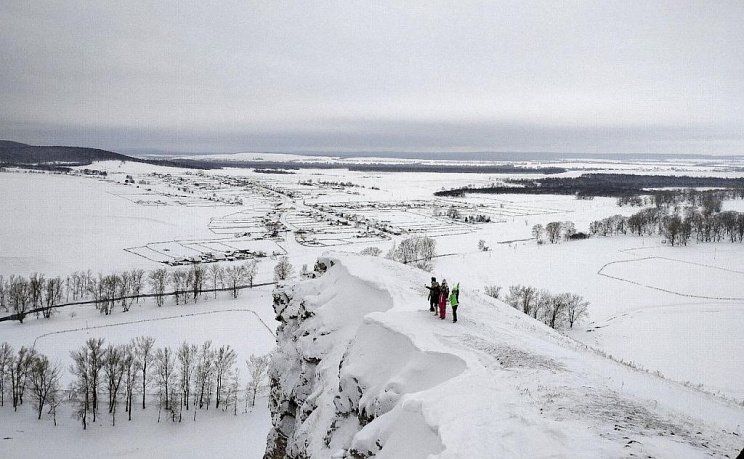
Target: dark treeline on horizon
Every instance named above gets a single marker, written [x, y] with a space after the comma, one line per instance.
[605, 185]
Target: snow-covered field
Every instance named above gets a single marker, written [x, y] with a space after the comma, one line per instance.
[21, 436]
[672, 310]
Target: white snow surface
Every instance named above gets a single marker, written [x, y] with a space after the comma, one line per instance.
[363, 368]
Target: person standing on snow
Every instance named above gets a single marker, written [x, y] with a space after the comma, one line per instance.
[454, 300]
[433, 294]
[443, 294]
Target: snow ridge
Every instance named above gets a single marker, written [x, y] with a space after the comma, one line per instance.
[363, 369]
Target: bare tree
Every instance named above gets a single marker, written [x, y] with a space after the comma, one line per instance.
[224, 364]
[144, 354]
[44, 382]
[123, 288]
[576, 308]
[542, 304]
[569, 229]
[178, 280]
[36, 285]
[217, 274]
[95, 354]
[251, 268]
[522, 297]
[553, 231]
[258, 369]
[19, 369]
[283, 269]
[164, 371]
[197, 276]
[80, 387]
[130, 367]
[110, 286]
[3, 301]
[18, 295]
[556, 309]
[158, 282]
[187, 356]
[135, 279]
[52, 296]
[235, 275]
[114, 370]
[204, 371]
[6, 360]
[232, 395]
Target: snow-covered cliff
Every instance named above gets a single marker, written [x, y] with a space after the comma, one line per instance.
[363, 369]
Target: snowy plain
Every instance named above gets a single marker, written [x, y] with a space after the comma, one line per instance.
[677, 311]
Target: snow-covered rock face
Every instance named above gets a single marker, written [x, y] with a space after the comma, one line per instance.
[363, 369]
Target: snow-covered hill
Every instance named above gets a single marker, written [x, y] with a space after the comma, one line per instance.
[362, 368]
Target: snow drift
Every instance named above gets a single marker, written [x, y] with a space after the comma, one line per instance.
[363, 369]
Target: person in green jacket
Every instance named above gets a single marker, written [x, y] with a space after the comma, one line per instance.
[454, 300]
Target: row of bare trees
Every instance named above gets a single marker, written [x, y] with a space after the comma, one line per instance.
[36, 293]
[109, 376]
[677, 227]
[553, 232]
[555, 310]
[20, 294]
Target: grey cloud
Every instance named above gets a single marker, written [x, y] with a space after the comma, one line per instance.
[458, 76]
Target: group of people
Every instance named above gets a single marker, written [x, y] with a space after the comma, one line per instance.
[439, 294]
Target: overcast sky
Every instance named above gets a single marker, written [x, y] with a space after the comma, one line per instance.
[647, 76]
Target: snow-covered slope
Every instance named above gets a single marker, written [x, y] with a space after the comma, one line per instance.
[362, 368]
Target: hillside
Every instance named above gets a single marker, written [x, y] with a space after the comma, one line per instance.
[362, 368]
[20, 153]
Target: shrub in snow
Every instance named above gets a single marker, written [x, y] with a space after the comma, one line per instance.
[494, 291]
[373, 251]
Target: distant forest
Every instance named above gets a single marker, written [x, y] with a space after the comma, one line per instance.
[590, 185]
[379, 167]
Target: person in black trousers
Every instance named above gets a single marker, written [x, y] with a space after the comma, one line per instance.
[433, 294]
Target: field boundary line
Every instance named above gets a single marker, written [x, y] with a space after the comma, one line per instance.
[686, 295]
[154, 319]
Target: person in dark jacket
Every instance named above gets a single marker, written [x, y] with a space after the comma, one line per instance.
[433, 294]
[443, 294]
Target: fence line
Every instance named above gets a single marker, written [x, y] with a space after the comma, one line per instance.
[132, 297]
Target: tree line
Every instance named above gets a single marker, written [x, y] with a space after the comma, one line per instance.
[40, 295]
[593, 184]
[106, 378]
[708, 199]
[677, 227]
[554, 310]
